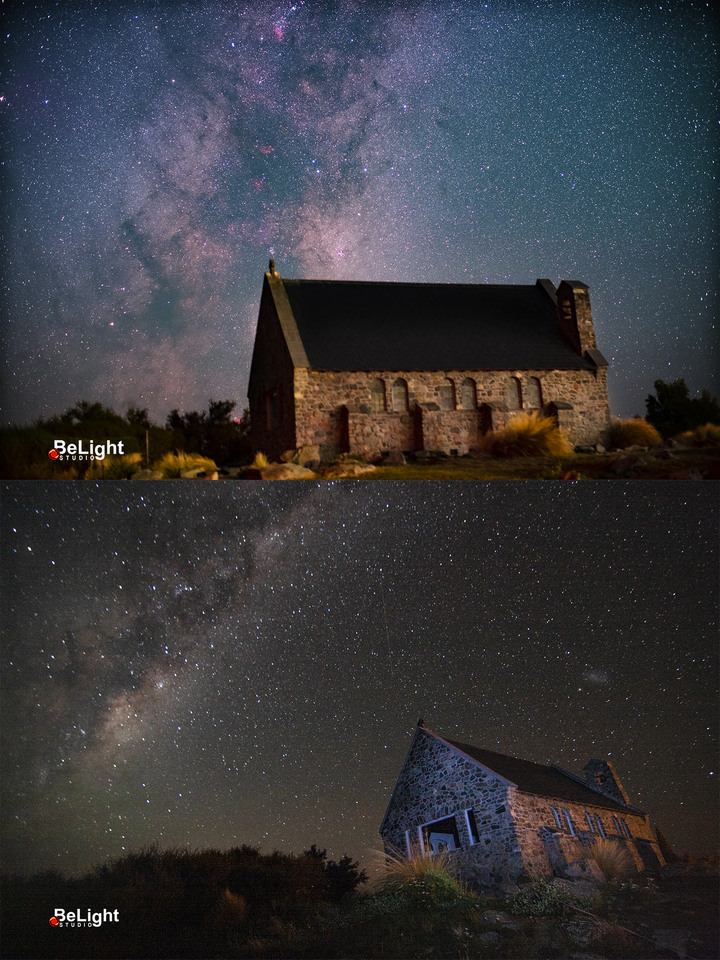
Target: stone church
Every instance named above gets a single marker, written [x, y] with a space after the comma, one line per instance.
[367, 367]
[502, 817]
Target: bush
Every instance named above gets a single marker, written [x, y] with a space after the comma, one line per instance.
[114, 468]
[635, 432]
[528, 435]
[546, 899]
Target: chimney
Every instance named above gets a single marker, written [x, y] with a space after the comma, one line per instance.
[600, 775]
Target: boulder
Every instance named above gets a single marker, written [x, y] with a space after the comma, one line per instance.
[348, 469]
[285, 471]
[584, 870]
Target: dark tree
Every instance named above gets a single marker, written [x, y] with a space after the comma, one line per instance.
[342, 878]
[672, 410]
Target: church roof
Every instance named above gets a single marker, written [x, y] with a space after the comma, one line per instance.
[353, 325]
[536, 778]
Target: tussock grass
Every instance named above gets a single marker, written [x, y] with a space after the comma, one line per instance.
[634, 432]
[612, 858]
[528, 435]
[172, 464]
[114, 468]
[260, 461]
[707, 435]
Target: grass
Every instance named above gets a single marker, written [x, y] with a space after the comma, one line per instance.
[114, 468]
[612, 858]
[528, 435]
[636, 432]
[706, 436]
[173, 464]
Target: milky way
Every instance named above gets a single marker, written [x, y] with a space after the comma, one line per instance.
[157, 154]
[201, 665]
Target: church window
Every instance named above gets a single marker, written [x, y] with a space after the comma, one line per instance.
[556, 814]
[468, 394]
[377, 396]
[590, 822]
[400, 395]
[446, 395]
[472, 826]
[439, 836]
[600, 826]
[533, 394]
[513, 394]
[569, 821]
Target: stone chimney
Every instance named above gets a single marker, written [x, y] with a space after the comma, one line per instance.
[574, 316]
[600, 775]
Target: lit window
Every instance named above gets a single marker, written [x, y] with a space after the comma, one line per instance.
[439, 836]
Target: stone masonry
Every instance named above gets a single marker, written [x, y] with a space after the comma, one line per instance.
[500, 831]
[295, 402]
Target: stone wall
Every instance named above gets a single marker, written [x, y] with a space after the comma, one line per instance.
[517, 831]
[270, 392]
[547, 849]
[323, 398]
[437, 782]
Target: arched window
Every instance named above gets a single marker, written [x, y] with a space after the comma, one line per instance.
[533, 394]
[377, 396]
[513, 394]
[400, 395]
[446, 395]
[468, 394]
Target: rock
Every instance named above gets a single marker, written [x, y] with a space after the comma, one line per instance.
[599, 448]
[348, 469]
[675, 940]
[625, 464]
[584, 870]
[191, 473]
[394, 456]
[148, 475]
[285, 471]
[489, 939]
[498, 918]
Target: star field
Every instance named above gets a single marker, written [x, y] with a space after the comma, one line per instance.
[204, 665]
[155, 156]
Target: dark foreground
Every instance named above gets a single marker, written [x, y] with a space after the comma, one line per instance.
[259, 911]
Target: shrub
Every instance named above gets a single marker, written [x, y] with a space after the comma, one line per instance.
[546, 899]
[172, 464]
[528, 435]
[707, 435]
[628, 433]
[612, 858]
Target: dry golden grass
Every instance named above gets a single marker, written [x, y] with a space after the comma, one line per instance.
[528, 435]
[260, 461]
[172, 464]
[635, 432]
[395, 867]
[114, 468]
[612, 858]
[706, 436]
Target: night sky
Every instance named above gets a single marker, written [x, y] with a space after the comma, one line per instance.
[156, 154]
[216, 664]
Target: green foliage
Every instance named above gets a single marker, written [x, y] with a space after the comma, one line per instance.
[212, 433]
[545, 899]
[342, 878]
[672, 410]
[627, 433]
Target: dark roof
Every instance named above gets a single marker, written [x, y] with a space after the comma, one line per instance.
[349, 325]
[536, 778]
